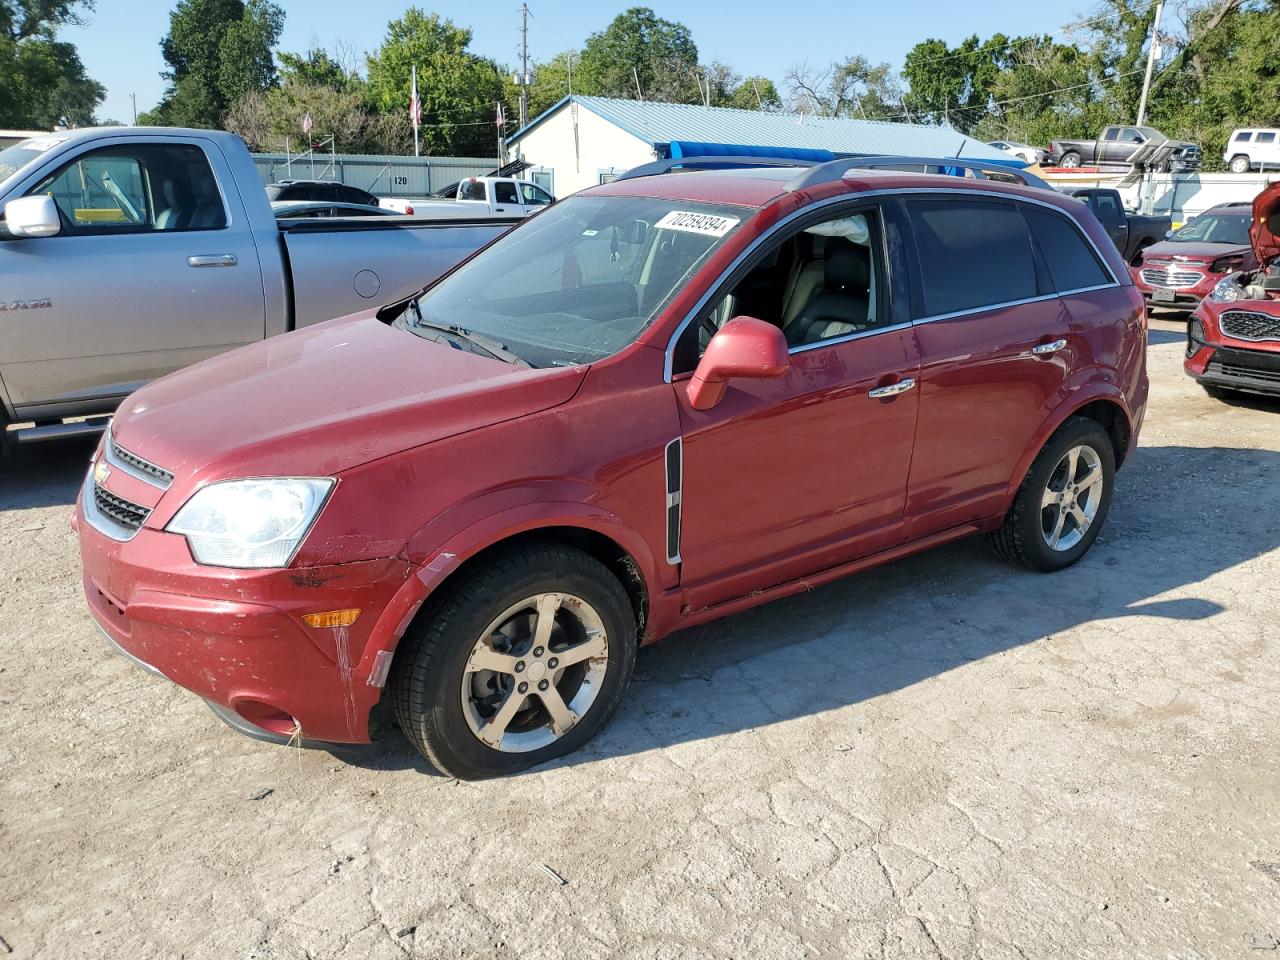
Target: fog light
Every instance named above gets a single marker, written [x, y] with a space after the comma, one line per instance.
[332, 618]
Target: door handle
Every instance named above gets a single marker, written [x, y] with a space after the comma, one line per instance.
[212, 260]
[1044, 349]
[893, 389]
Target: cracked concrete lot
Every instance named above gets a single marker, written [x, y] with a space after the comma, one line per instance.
[942, 758]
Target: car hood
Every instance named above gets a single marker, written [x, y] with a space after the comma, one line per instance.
[1203, 252]
[324, 399]
[1265, 232]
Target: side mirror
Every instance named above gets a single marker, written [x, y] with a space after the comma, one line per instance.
[1168, 234]
[744, 348]
[32, 217]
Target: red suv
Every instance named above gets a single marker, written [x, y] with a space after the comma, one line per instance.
[1181, 270]
[661, 401]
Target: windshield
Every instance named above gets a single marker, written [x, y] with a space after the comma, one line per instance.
[583, 278]
[1214, 228]
[14, 158]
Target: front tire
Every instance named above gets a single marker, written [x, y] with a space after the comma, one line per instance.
[1240, 164]
[522, 661]
[1063, 500]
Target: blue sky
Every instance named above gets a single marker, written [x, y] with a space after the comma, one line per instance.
[121, 44]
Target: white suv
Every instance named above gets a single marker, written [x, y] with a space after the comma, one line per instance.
[1253, 150]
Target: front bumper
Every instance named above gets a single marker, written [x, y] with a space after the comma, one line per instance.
[236, 637]
[1250, 371]
[1183, 297]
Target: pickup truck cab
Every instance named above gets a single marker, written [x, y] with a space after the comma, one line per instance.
[1132, 233]
[663, 400]
[1126, 147]
[1233, 339]
[478, 197]
[128, 252]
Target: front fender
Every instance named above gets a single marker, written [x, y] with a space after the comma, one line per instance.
[435, 564]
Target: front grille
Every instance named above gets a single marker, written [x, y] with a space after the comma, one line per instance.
[132, 463]
[1247, 325]
[126, 513]
[1236, 372]
[1170, 277]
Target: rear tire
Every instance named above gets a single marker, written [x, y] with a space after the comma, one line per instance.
[466, 680]
[1070, 159]
[1240, 164]
[1063, 501]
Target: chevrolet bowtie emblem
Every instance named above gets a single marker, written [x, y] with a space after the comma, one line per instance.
[100, 473]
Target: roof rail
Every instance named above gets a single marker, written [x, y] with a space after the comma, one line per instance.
[836, 169]
[657, 167]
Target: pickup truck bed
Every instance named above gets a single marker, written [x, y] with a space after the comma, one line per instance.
[129, 252]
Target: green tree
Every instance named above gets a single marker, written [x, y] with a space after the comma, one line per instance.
[217, 51]
[458, 89]
[318, 68]
[43, 84]
[954, 86]
[639, 46]
[853, 88]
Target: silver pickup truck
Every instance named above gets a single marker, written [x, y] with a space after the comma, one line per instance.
[128, 252]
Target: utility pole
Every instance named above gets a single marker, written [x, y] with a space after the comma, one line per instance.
[524, 65]
[134, 98]
[1151, 62]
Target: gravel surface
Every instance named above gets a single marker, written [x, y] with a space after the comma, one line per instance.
[941, 758]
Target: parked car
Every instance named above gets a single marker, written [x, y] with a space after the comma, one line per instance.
[1139, 147]
[1181, 270]
[1022, 151]
[1233, 339]
[1254, 149]
[663, 400]
[1132, 233]
[317, 210]
[479, 197]
[319, 191]
[128, 252]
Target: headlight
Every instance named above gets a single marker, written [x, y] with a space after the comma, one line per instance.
[250, 523]
[1226, 290]
[1226, 264]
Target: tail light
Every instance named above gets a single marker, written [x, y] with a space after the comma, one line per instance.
[1227, 264]
[408, 211]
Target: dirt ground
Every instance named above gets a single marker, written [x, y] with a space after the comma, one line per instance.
[942, 758]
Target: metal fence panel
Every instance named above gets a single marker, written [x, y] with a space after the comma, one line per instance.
[384, 176]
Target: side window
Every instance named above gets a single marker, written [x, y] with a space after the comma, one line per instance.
[471, 190]
[1106, 207]
[533, 195]
[504, 193]
[819, 283]
[1132, 135]
[1070, 259]
[1266, 138]
[137, 189]
[1242, 136]
[1111, 133]
[972, 253]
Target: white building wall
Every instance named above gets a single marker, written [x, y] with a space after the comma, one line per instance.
[578, 157]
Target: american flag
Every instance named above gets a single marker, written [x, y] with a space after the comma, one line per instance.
[415, 105]
[499, 118]
[307, 123]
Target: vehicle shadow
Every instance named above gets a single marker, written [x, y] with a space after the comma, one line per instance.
[889, 628]
[1156, 338]
[45, 474]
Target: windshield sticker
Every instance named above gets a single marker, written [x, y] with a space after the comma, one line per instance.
[707, 224]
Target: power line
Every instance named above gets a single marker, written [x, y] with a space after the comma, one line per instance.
[1031, 96]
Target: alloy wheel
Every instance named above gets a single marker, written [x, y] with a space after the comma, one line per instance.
[534, 672]
[1071, 498]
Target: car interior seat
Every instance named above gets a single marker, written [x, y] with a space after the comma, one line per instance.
[841, 306]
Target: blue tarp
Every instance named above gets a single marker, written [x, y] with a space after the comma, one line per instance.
[692, 148]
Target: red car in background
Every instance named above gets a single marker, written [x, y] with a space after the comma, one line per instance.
[661, 401]
[1233, 339]
[1180, 271]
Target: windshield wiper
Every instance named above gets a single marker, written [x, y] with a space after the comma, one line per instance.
[492, 347]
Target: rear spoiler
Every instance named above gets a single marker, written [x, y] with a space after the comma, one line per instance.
[829, 171]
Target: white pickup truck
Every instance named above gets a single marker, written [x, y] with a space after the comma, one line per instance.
[477, 197]
[128, 252]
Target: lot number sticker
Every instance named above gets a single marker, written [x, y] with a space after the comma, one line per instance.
[707, 224]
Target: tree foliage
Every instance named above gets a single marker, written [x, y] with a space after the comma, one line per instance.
[217, 51]
[43, 84]
[458, 89]
[640, 55]
[854, 87]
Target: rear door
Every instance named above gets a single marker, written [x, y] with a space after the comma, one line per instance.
[996, 349]
[154, 268]
[505, 198]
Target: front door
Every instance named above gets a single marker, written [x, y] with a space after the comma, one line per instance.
[154, 268]
[790, 476]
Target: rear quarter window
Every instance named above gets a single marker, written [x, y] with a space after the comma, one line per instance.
[1070, 259]
[973, 253]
